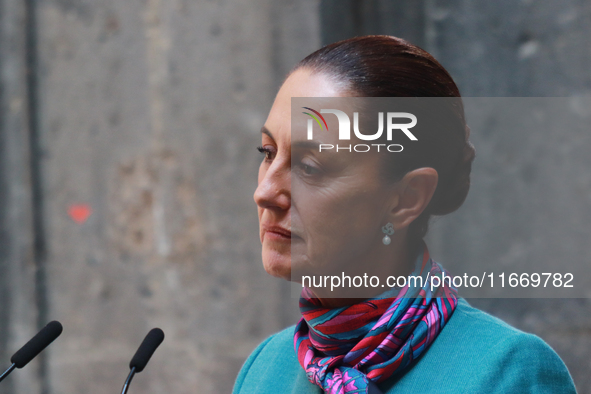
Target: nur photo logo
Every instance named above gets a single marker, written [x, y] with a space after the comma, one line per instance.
[344, 132]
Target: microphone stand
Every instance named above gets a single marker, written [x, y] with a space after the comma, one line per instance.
[9, 370]
[128, 381]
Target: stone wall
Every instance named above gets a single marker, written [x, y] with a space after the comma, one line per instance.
[146, 118]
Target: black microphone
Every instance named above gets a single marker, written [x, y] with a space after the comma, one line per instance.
[143, 354]
[35, 346]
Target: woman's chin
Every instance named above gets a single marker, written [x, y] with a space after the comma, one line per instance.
[276, 264]
[278, 271]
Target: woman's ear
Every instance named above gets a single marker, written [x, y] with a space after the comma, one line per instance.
[415, 191]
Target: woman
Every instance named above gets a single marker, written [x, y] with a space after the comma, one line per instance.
[369, 213]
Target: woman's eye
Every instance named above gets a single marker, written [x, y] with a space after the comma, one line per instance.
[308, 169]
[268, 152]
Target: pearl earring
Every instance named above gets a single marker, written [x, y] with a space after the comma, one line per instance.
[388, 229]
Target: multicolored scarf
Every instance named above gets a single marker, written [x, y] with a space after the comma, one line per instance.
[342, 348]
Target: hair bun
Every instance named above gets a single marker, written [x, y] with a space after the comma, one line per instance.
[454, 186]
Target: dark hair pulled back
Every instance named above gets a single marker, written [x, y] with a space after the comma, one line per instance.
[386, 66]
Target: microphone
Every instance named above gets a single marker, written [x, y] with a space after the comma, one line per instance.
[35, 346]
[143, 354]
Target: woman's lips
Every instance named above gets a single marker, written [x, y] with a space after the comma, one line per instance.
[277, 233]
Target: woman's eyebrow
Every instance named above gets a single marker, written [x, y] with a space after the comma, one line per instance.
[305, 145]
[265, 130]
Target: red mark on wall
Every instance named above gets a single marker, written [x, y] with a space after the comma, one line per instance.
[80, 212]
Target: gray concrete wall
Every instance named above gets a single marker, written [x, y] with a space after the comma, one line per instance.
[149, 113]
[530, 200]
[18, 270]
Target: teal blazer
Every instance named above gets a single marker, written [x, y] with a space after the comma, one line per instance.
[474, 353]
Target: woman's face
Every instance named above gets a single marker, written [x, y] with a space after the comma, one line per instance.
[319, 212]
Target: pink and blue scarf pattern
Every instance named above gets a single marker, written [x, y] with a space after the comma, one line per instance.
[341, 349]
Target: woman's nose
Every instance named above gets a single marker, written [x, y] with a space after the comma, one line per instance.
[274, 189]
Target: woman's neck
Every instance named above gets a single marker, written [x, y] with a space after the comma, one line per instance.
[400, 262]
